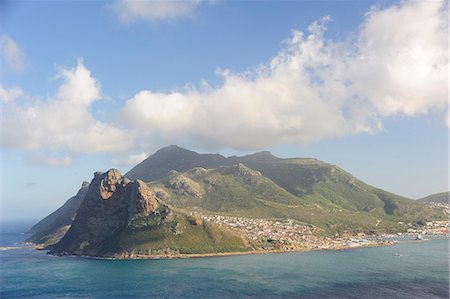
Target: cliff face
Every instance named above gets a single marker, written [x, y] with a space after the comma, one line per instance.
[110, 205]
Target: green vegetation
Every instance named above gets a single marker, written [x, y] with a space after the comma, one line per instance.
[52, 228]
[255, 186]
[180, 233]
[311, 192]
[443, 197]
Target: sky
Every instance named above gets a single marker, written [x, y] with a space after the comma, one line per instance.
[86, 86]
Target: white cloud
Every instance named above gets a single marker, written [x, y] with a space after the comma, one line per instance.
[132, 159]
[62, 122]
[402, 63]
[12, 55]
[313, 88]
[396, 64]
[154, 10]
[8, 95]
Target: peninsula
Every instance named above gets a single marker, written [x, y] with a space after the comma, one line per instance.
[178, 203]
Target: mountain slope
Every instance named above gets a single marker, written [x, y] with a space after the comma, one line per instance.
[319, 182]
[335, 201]
[322, 193]
[169, 158]
[121, 218]
[52, 228]
[443, 197]
[189, 200]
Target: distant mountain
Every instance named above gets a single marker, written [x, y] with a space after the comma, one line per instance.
[121, 217]
[53, 227]
[443, 197]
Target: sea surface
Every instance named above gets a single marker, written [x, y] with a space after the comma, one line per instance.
[411, 269]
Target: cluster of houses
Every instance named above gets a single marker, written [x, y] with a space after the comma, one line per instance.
[287, 231]
[441, 227]
[286, 234]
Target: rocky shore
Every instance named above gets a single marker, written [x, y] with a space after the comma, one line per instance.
[169, 254]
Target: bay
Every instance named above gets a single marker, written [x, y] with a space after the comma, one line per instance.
[410, 269]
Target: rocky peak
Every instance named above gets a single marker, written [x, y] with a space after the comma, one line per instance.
[241, 170]
[112, 185]
[260, 156]
[198, 171]
[172, 149]
[111, 203]
[143, 200]
[108, 182]
[185, 186]
[85, 185]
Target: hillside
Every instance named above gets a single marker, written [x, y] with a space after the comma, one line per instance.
[52, 228]
[195, 203]
[119, 217]
[443, 197]
[305, 189]
[332, 200]
[172, 158]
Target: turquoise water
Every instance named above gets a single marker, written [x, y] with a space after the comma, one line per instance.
[421, 271]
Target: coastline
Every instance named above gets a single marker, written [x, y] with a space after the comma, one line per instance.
[381, 240]
[170, 256]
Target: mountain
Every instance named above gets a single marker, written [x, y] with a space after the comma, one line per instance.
[195, 203]
[53, 227]
[318, 192]
[325, 196]
[172, 158]
[443, 197]
[119, 217]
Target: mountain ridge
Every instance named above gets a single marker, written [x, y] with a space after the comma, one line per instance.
[187, 189]
[441, 197]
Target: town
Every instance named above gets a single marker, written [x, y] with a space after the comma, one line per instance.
[289, 234]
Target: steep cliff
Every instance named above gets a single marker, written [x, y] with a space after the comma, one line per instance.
[121, 218]
[111, 203]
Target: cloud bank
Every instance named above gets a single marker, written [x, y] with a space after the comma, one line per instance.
[395, 64]
[313, 88]
[62, 122]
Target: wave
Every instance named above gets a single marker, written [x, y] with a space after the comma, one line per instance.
[8, 248]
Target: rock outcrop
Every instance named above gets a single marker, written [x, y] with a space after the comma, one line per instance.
[111, 203]
[239, 170]
[183, 185]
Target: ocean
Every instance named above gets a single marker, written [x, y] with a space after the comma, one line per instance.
[411, 269]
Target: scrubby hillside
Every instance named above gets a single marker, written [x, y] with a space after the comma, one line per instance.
[52, 228]
[323, 195]
[443, 197]
[178, 208]
[119, 217]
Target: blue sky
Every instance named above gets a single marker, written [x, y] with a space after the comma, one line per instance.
[87, 86]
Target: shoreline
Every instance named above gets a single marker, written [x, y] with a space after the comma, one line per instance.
[171, 256]
[385, 241]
